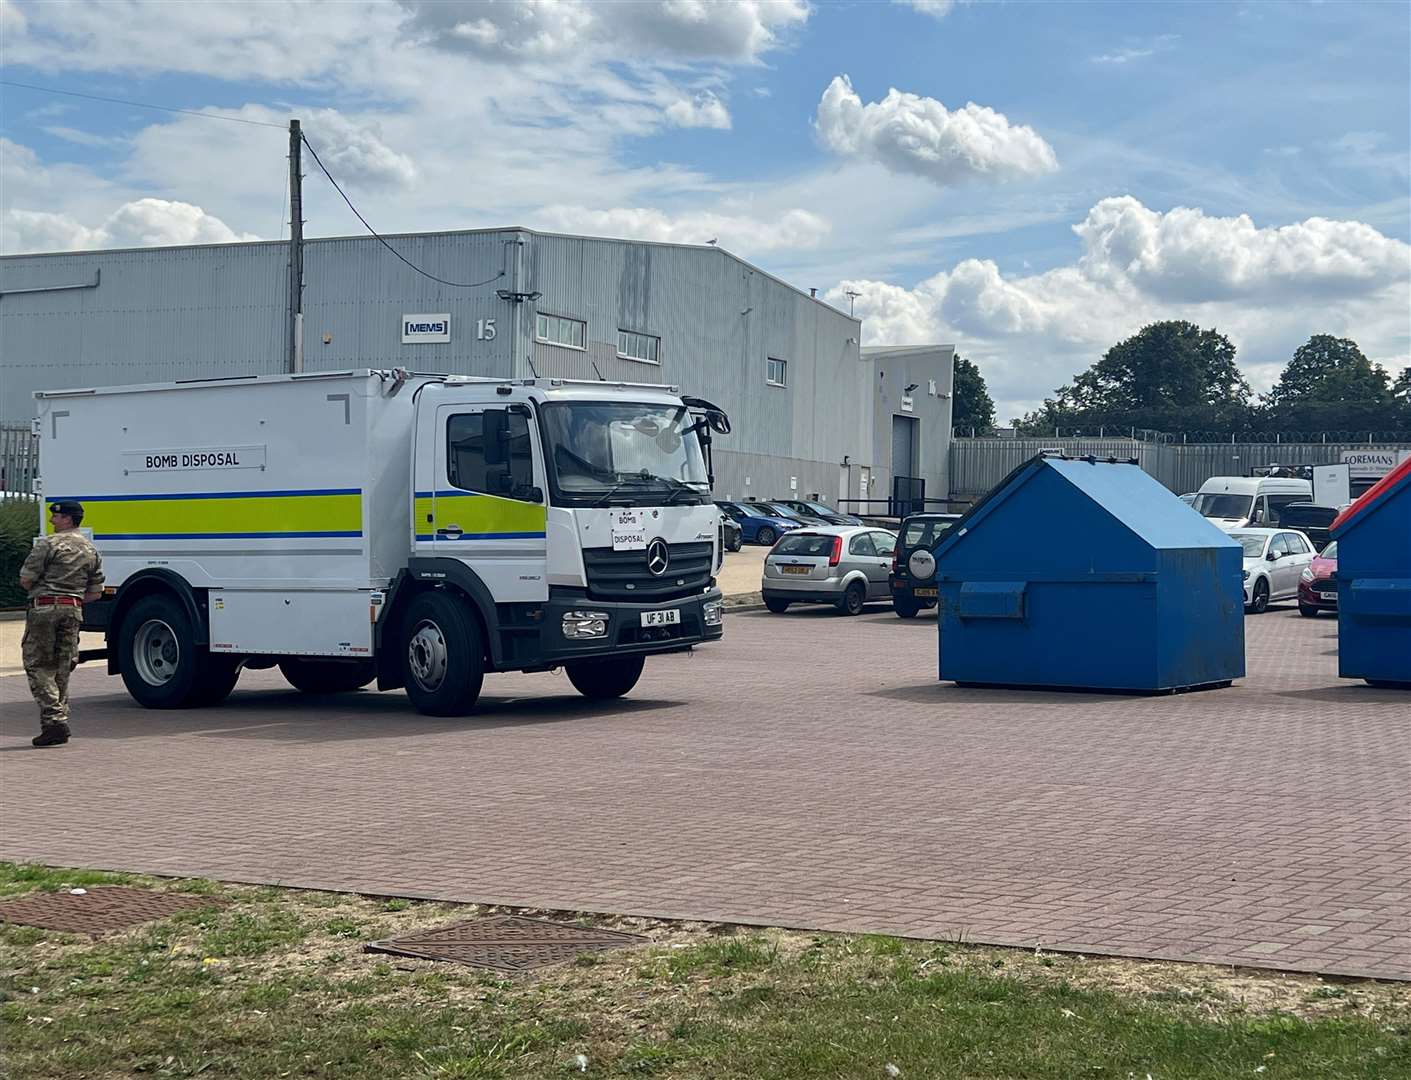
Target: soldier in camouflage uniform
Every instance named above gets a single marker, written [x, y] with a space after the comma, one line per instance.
[62, 571]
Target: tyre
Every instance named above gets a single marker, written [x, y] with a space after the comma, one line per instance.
[599, 680]
[777, 606]
[217, 681]
[443, 657]
[162, 666]
[736, 542]
[327, 676]
[766, 536]
[1308, 612]
[905, 609]
[853, 598]
[1260, 603]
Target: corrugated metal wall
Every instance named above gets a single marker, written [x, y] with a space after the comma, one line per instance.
[976, 465]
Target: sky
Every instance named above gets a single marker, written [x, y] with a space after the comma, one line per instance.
[1032, 182]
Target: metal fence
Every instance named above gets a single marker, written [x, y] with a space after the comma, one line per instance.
[976, 465]
[19, 459]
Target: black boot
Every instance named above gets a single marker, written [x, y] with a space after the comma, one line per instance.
[53, 735]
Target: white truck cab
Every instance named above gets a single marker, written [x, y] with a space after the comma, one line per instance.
[1235, 502]
[416, 530]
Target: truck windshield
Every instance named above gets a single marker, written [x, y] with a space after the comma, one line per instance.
[1221, 505]
[637, 452]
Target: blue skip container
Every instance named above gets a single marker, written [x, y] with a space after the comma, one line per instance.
[1082, 574]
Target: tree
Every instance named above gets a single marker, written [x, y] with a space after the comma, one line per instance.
[1330, 386]
[1169, 376]
[971, 405]
[1401, 394]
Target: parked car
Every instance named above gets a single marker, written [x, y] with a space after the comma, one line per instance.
[1317, 591]
[913, 577]
[1235, 502]
[842, 565]
[1312, 520]
[780, 510]
[757, 526]
[819, 510]
[733, 534]
[1273, 561]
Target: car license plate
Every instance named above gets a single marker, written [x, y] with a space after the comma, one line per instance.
[1327, 596]
[924, 592]
[661, 618]
[794, 569]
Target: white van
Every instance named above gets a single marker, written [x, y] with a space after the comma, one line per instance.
[1235, 502]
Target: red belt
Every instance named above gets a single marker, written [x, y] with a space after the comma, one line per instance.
[50, 601]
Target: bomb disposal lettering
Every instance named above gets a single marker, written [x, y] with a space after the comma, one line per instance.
[194, 459]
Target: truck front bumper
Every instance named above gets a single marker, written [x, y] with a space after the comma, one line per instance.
[570, 616]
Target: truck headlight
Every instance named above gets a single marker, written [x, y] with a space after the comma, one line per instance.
[585, 624]
[713, 612]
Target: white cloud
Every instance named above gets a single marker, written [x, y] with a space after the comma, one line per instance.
[355, 153]
[919, 135]
[1133, 52]
[1033, 332]
[1184, 255]
[739, 31]
[141, 223]
[937, 9]
[740, 233]
[704, 110]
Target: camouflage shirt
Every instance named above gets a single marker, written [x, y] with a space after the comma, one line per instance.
[63, 564]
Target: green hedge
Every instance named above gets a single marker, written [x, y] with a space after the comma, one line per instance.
[19, 525]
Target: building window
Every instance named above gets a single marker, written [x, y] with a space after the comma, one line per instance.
[559, 330]
[777, 373]
[634, 346]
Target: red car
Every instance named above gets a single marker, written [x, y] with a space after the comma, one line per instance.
[1317, 591]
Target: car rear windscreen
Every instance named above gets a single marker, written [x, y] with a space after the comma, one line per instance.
[925, 534]
[804, 544]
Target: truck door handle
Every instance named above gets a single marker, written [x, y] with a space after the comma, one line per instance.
[450, 530]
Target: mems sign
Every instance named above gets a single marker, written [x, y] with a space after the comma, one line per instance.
[426, 329]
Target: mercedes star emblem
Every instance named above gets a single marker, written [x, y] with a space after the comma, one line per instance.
[658, 556]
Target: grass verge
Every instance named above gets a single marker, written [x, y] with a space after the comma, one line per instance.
[277, 985]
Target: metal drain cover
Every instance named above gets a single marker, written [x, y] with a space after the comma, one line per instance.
[506, 943]
[98, 910]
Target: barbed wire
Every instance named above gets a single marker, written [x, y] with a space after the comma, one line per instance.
[1203, 437]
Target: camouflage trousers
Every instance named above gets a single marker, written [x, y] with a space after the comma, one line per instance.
[50, 652]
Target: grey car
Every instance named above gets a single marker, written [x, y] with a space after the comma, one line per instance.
[843, 565]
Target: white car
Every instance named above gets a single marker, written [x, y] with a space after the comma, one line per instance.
[1273, 561]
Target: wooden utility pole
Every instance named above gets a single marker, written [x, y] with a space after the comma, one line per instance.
[296, 248]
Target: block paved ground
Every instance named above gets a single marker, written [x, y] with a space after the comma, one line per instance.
[810, 772]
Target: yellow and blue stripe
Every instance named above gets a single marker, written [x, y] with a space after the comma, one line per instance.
[480, 516]
[224, 515]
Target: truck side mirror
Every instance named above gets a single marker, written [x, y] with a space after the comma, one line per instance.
[495, 425]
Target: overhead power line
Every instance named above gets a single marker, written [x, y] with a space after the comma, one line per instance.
[140, 104]
[383, 241]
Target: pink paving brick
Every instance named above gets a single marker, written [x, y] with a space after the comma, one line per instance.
[808, 771]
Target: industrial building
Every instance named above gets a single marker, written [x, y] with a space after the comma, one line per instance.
[814, 413]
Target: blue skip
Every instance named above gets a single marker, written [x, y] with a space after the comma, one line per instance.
[1089, 575]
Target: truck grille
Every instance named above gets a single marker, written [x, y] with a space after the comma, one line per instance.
[623, 575]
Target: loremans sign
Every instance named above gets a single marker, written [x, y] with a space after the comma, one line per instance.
[194, 459]
[426, 329]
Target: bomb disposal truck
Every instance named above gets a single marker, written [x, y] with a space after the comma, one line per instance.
[416, 530]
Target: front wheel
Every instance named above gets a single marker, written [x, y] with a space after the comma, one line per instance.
[905, 609]
[766, 536]
[443, 659]
[327, 676]
[162, 665]
[853, 599]
[1260, 603]
[777, 606]
[599, 680]
[736, 542]
[1307, 612]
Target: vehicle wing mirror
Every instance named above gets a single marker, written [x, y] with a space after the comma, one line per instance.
[718, 421]
[1273, 556]
[496, 426]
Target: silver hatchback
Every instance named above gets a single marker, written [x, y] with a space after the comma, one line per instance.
[842, 565]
